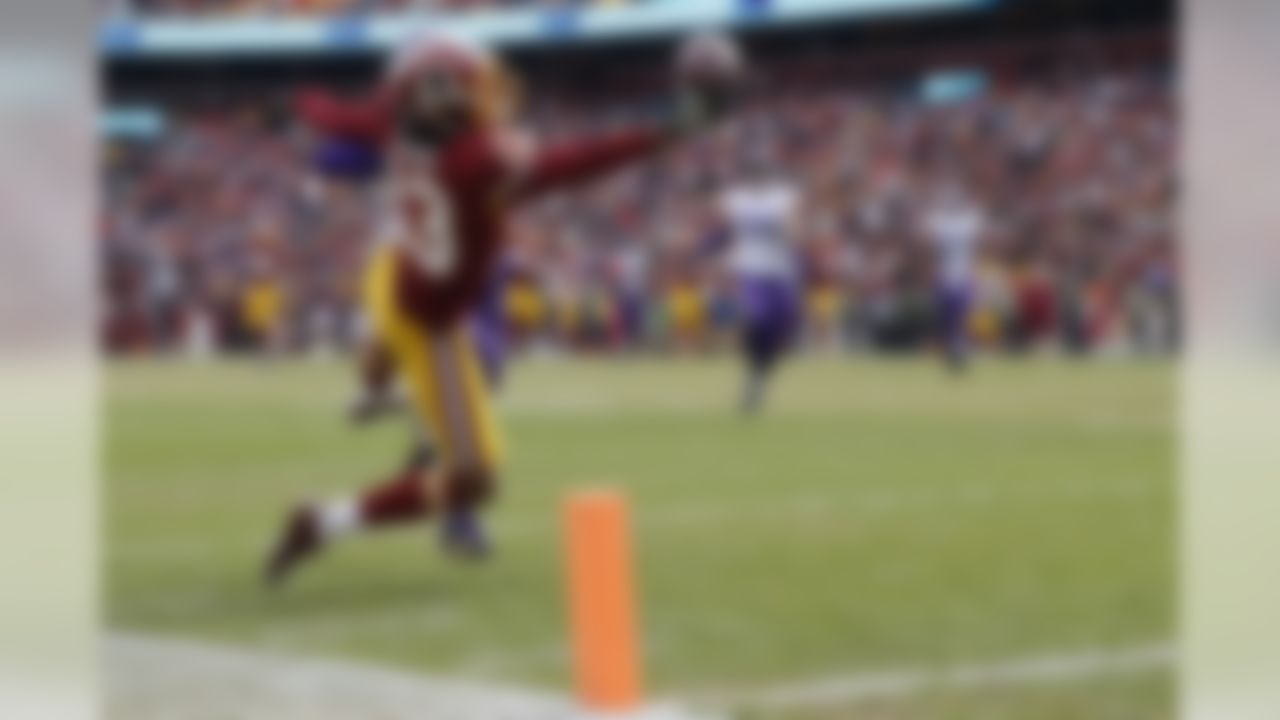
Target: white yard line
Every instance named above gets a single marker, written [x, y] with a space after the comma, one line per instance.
[907, 682]
[149, 678]
[161, 678]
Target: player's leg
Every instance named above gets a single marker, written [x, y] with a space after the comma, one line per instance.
[953, 316]
[447, 388]
[463, 530]
[377, 368]
[769, 314]
[377, 398]
[311, 526]
[463, 523]
[376, 394]
[470, 440]
[403, 497]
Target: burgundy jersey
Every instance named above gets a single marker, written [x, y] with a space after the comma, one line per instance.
[445, 212]
[447, 209]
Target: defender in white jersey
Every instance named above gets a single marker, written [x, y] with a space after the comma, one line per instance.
[953, 227]
[759, 216]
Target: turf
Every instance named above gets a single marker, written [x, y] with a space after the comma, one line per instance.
[879, 514]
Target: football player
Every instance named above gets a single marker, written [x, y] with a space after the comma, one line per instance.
[952, 226]
[453, 167]
[759, 214]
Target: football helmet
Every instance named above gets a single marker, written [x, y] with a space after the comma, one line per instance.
[439, 85]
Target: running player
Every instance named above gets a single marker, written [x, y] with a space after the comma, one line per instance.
[453, 168]
[377, 397]
[759, 214]
[953, 227]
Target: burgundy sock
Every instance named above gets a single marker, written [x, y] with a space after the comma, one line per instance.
[401, 499]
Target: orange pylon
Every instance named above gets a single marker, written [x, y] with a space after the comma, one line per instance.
[602, 606]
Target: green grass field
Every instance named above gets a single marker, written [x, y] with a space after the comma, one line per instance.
[879, 515]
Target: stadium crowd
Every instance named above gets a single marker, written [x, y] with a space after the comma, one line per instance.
[219, 235]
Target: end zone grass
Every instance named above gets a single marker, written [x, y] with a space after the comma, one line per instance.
[877, 515]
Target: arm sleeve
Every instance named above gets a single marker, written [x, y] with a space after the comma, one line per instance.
[347, 159]
[573, 163]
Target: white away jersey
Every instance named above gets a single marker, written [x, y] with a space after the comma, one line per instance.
[760, 219]
[954, 233]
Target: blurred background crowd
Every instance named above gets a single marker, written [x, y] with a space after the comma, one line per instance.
[219, 234]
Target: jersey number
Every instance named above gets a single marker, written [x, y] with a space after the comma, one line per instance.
[428, 226]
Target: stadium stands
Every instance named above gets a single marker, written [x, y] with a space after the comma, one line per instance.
[219, 223]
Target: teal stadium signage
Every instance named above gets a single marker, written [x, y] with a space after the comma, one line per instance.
[161, 38]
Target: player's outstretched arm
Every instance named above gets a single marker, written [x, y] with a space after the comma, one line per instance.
[708, 74]
[571, 163]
